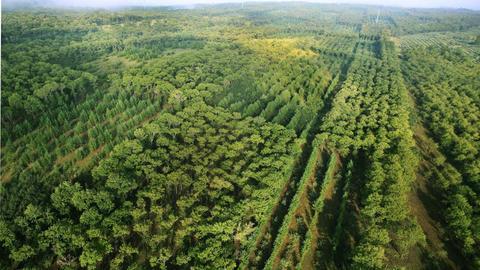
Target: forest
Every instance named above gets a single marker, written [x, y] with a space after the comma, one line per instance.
[240, 136]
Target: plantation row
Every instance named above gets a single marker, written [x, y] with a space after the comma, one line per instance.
[270, 231]
[439, 40]
[382, 213]
[449, 104]
[303, 212]
[51, 158]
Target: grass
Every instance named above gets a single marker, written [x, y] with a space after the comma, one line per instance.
[85, 162]
[278, 48]
[7, 176]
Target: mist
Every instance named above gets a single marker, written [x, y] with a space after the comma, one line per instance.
[468, 4]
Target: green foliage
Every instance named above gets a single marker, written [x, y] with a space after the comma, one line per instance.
[444, 82]
[158, 185]
[199, 138]
[314, 161]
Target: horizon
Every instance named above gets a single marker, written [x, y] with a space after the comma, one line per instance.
[115, 4]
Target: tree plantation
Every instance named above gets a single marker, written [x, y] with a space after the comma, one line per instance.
[240, 136]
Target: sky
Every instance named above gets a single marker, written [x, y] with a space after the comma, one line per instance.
[470, 4]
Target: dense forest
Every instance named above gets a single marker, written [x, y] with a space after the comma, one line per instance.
[240, 136]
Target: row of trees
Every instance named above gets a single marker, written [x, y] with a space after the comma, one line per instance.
[307, 89]
[292, 234]
[445, 84]
[369, 116]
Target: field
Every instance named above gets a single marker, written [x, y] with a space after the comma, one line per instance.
[240, 136]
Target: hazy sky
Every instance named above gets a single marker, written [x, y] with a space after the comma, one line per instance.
[471, 4]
